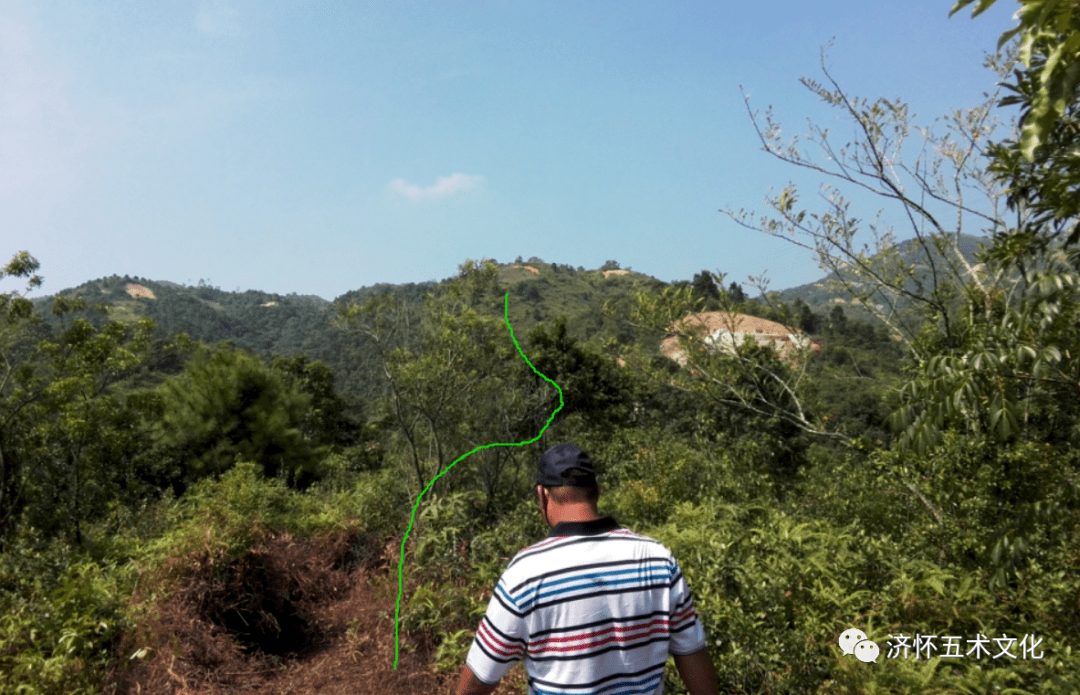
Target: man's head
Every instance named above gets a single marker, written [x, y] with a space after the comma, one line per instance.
[566, 485]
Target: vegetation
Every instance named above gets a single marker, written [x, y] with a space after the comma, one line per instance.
[220, 509]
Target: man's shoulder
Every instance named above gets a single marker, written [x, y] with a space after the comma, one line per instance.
[640, 537]
[547, 549]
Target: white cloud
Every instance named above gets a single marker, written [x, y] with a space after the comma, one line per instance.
[218, 20]
[445, 186]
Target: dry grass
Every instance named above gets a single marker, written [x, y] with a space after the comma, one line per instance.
[319, 618]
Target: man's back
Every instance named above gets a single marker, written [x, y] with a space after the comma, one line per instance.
[592, 606]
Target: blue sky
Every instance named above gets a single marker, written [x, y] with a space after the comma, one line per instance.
[318, 147]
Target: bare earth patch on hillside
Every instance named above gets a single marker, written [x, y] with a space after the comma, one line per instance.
[139, 291]
[289, 618]
[517, 273]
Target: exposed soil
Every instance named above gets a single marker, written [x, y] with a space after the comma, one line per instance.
[290, 617]
[139, 291]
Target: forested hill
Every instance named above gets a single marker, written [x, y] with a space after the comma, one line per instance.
[909, 255]
[595, 305]
[273, 324]
[261, 321]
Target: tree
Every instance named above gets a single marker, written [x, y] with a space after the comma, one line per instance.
[326, 420]
[938, 190]
[1008, 373]
[593, 387]
[71, 440]
[705, 287]
[1041, 166]
[453, 378]
[837, 319]
[1010, 369]
[90, 438]
[808, 320]
[1014, 374]
[20, 386]
[993, 349]
[228, 406]
[1049, 49]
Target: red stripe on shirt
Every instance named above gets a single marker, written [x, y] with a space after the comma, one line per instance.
[496, 644]
[598, 633]
[663, 630]
[684, 613]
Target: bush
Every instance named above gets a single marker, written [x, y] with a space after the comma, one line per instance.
[454, 567]
[380, 501]
[442, 585]
[650, 471]
[62, 641]
[774, 593]
[219, 519]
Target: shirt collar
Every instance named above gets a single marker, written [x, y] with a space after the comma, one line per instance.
[584, 528]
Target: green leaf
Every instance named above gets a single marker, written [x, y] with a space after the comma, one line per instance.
[979, 9]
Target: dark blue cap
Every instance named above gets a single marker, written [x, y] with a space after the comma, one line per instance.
[565, 464]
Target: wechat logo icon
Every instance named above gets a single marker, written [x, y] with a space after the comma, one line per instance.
[853, 642]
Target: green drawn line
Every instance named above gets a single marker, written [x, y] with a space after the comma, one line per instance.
[401, 563]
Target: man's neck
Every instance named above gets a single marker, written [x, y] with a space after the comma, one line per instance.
[572, 513]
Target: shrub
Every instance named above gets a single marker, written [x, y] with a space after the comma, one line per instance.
[62, 641]
[774, 593]
[650, 471]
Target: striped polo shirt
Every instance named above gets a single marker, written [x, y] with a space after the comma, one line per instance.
[592, 608]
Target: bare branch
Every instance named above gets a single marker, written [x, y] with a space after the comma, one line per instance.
[944, 170]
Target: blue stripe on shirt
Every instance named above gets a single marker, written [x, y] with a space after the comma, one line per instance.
[652, 572]
[527, 605]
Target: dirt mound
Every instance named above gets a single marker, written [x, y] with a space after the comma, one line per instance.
[288, 617]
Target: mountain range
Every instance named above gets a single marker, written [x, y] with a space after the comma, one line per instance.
[273, 324]
[923, 262]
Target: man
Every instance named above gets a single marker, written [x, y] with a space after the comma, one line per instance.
[593, 608]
